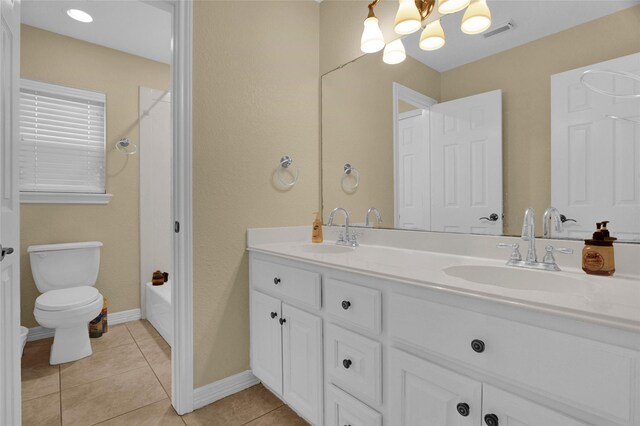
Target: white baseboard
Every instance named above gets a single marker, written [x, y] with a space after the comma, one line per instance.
[212, 392]
[38, 333]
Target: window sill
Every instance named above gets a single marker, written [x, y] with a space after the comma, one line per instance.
[63, 198]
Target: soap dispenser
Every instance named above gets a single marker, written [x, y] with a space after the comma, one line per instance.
[597, 254]
[316, 233]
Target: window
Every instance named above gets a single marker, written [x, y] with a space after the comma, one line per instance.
[62, 144]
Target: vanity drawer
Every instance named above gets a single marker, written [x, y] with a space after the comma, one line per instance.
[289, 283]
[343, 409]
[354, 363]
[596, 377]
[353, 304]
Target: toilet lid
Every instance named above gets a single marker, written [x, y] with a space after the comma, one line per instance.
[67, 298]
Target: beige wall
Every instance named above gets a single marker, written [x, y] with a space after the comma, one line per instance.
[53, 58]
[357, 128]
[256, 98]
[523, 74]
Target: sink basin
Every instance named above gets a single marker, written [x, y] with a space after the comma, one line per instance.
[517, 278]
[326, 249]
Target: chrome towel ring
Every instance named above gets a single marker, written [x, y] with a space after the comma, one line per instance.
[624, 74]
[350, 172]
[285, 163]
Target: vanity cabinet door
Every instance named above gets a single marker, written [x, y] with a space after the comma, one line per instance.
[422, 393]
[266, 340]
[302, 362]
[503, 408]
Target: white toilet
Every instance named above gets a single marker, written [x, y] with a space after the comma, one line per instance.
[65, 275]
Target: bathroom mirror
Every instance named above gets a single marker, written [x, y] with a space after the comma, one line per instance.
[503, 120]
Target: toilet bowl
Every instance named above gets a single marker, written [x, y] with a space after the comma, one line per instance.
[65, 275]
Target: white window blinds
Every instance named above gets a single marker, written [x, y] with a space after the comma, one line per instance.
[62, 139]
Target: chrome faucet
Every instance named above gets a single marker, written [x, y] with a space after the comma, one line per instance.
[554, 215]
[529, 234]
[346, 239]
[377, 213]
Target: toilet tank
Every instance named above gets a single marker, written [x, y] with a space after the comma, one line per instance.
[56, 266]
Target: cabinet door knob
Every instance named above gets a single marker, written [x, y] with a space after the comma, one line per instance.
[491, 420]
[477, 345]
[346, 363]
[276, 280]
[282, 321]
[274, 314]
[346, 304]
[463, 409]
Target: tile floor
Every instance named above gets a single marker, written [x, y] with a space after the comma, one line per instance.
[127, 381]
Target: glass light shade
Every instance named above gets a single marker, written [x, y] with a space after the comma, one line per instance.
[477, 18]
[408, 19]
[394, 53]
[452, 6]
[432, 37]
[372, 39]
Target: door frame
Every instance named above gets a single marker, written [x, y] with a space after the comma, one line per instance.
[182, 290]
[403, 93]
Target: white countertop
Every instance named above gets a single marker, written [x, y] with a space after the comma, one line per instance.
[612, 301]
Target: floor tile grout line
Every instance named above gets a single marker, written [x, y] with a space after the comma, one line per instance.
[60, 392]
[152, 370]
[262, 415]
[128, 412]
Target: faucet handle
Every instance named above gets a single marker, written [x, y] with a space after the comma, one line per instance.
[550, 258]
[515, 253]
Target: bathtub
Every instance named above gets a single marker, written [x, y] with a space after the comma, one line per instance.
[158, 307]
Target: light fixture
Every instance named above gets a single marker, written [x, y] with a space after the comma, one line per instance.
[408, 19]
[477, 17]
[79, 15]
[452, 6]
[394, 52]
[372, 39]
[432, 37]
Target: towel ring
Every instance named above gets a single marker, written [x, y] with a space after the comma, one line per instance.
[125, 146]
[624, 74]
[630, 120]
[285, 163]
[350, 171]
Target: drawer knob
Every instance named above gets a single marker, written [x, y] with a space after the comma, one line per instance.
[276, 280]
[346, 363]
[346, 304]
[491, 420]
[477, 346]
[463, 409]
[274, 314]
[282, 321]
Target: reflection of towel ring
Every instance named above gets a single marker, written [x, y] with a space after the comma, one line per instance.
[285, 163]
[125, 146]
[630, 120]
[350, 171]
[624, 74]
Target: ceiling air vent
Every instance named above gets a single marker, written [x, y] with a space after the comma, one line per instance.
[502, 28]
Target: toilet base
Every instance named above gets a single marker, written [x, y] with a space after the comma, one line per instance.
[70, 344]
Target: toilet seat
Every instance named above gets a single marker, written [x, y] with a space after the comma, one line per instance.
[67, 298]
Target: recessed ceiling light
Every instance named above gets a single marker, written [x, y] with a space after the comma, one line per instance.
[79, 15]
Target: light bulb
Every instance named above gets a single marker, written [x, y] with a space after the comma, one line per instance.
[372, 39]
[394, 52]
[408, 19]
[79, 15]
[477, 18]
[432, 37]
[452, 6]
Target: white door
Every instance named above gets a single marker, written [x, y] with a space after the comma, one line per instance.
[509, 409]
[302, 362]
[424, 394]
[9, 214]
[154, 150]
[595, 160]
[266, 340]
[466, 165]
[412, 171]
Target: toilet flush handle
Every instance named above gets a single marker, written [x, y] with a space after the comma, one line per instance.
[5, 251]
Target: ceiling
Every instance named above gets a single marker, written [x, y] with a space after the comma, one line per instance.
[136, 27]
[532, 20]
